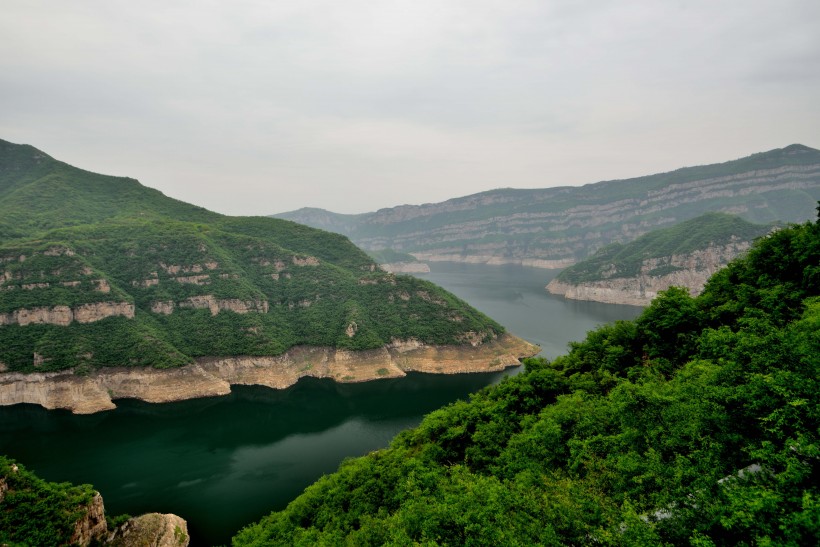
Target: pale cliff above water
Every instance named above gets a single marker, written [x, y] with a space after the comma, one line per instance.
[692, 270]
[558, 226]
[208, 377]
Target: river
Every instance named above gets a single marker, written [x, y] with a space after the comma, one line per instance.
[224, 462]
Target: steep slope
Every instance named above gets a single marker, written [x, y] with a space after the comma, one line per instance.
[39, 193]
[685, 255]
[695, 424]
[131, 278]
[556, 227]
[37, 512]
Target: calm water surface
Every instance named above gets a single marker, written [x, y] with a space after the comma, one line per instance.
[224, 462]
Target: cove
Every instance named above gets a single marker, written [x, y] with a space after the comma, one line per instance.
[224, 462]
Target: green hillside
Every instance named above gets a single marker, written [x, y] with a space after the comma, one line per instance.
[695, 424]
[101, 271]
[624, 260]
[36, 512]
[571, 223]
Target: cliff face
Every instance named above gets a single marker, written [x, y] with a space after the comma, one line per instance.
[64, 316]
[92, 525]
[556, 227]
[38, 512]
[151, 530]
[692, 270]
[406, 267]
[214, 376]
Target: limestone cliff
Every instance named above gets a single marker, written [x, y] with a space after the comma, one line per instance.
[151, 530]
[213, 376]
[38, 512]
[405, 267]
[556, 227]
[91, 527]
[64, 316]
[691, 271]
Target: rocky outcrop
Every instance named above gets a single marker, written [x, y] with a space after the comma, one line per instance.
[214, 376]
[209, 302]
[94, 392]
[406, 267]
[690, 271]
[92, 526]
[64, 316]
[151, 530]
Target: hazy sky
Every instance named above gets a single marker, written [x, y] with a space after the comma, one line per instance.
[258, 107]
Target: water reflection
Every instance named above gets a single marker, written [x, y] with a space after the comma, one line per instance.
[223, 462]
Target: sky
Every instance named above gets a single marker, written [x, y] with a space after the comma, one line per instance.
[259, 107]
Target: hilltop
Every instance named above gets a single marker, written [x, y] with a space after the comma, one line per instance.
[98, 273]
[557, 227]
[684, 255]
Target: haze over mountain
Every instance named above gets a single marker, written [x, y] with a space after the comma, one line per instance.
[99, 272]
[556, 227]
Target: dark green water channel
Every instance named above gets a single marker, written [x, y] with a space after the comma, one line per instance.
[224, 462]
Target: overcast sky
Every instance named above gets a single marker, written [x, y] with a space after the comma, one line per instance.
[258, 107]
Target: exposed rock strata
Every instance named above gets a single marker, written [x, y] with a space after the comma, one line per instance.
[556, 227]
[214, 376]
[64, 316]
[695, 269]
[151, 530]
[92, 526]
[209, 302]
[405, 267]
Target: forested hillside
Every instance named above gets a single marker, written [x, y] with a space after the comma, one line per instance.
[684, 255]
[558, 226]
[695, 424]
[100, 271]
[626, 260]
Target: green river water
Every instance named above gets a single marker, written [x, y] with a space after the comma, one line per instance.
[224, 462]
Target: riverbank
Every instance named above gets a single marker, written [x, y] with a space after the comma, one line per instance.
[213, 376]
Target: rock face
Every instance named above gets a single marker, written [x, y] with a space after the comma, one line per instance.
[556, 227]
[209, 302]
[214, 376]
[151, 530]
[64, 316]
[406, 267]
[92, 527]
[692, 271]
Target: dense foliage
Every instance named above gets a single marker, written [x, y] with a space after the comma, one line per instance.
[36, 512]
[201, 284]
[625, 260]
[696, 424]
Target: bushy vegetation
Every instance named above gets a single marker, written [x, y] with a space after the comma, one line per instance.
[237, 285]
[696, 423]
[625, 260]
[37, 512]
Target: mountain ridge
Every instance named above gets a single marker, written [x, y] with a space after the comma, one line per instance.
[99, 272]
[556, 227]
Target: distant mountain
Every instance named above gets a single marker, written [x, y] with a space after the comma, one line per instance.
[556, 227]
[684, 255]
[99, 272]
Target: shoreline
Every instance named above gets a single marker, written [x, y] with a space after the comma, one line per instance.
[213, 376]
[492, 260]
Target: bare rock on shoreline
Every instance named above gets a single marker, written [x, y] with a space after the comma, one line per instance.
[213, 376]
